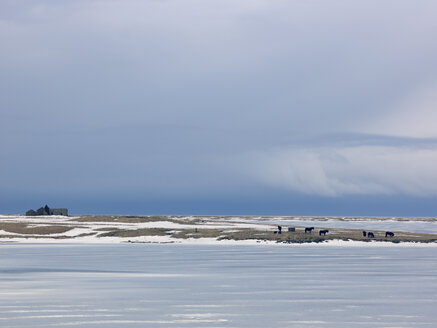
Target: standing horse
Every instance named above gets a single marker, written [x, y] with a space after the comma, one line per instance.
[323, 232]
[389, 234]
[309, 229]
[279, 229]
[364, 234]
[370, 235]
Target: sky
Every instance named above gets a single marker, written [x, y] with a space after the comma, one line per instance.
[242, 107]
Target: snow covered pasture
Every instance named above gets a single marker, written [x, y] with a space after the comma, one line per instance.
[174, 285]
[208, 230]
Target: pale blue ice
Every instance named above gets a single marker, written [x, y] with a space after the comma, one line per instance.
[150, 285]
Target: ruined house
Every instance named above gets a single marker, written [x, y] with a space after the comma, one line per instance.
[47, 211]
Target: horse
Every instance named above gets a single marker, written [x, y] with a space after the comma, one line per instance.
[370, 235]
[323, 232]
[279, 229]
[364, 234]
[309, 229]
[389, 234]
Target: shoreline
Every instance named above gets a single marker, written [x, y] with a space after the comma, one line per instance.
[201, 242]
[205, 230]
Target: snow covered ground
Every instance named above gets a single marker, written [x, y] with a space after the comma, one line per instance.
[87, 232]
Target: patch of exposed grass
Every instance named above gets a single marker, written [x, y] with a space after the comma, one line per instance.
[87, 234]
[23, 228]
[36, 237]
[106, 229]
[197, 233]
[135, 233]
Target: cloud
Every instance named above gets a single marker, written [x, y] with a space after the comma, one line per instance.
[162, 96]
[347, 170]
[414, 115]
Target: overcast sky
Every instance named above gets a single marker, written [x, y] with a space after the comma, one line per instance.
[276, 107]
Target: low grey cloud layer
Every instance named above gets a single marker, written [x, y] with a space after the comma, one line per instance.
[212, 98]
[348, 170]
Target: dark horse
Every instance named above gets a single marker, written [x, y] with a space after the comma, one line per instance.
[279, 229]
[309, 229]
[370, 235]
[323, 232]
[389, 234]
[364, 234]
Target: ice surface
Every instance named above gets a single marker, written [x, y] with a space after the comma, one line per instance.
[149, 285]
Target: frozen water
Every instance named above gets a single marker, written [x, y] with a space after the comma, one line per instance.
[149, 285]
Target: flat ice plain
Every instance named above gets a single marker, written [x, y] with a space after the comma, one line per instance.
[177, 285]
[87, 281]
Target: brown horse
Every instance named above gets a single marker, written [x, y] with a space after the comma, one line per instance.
[323, 232]
[309, 229]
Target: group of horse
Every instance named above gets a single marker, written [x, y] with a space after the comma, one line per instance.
[310, 229]
[324, 232]
[372, 235]
[321, 232]
[369, 234]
